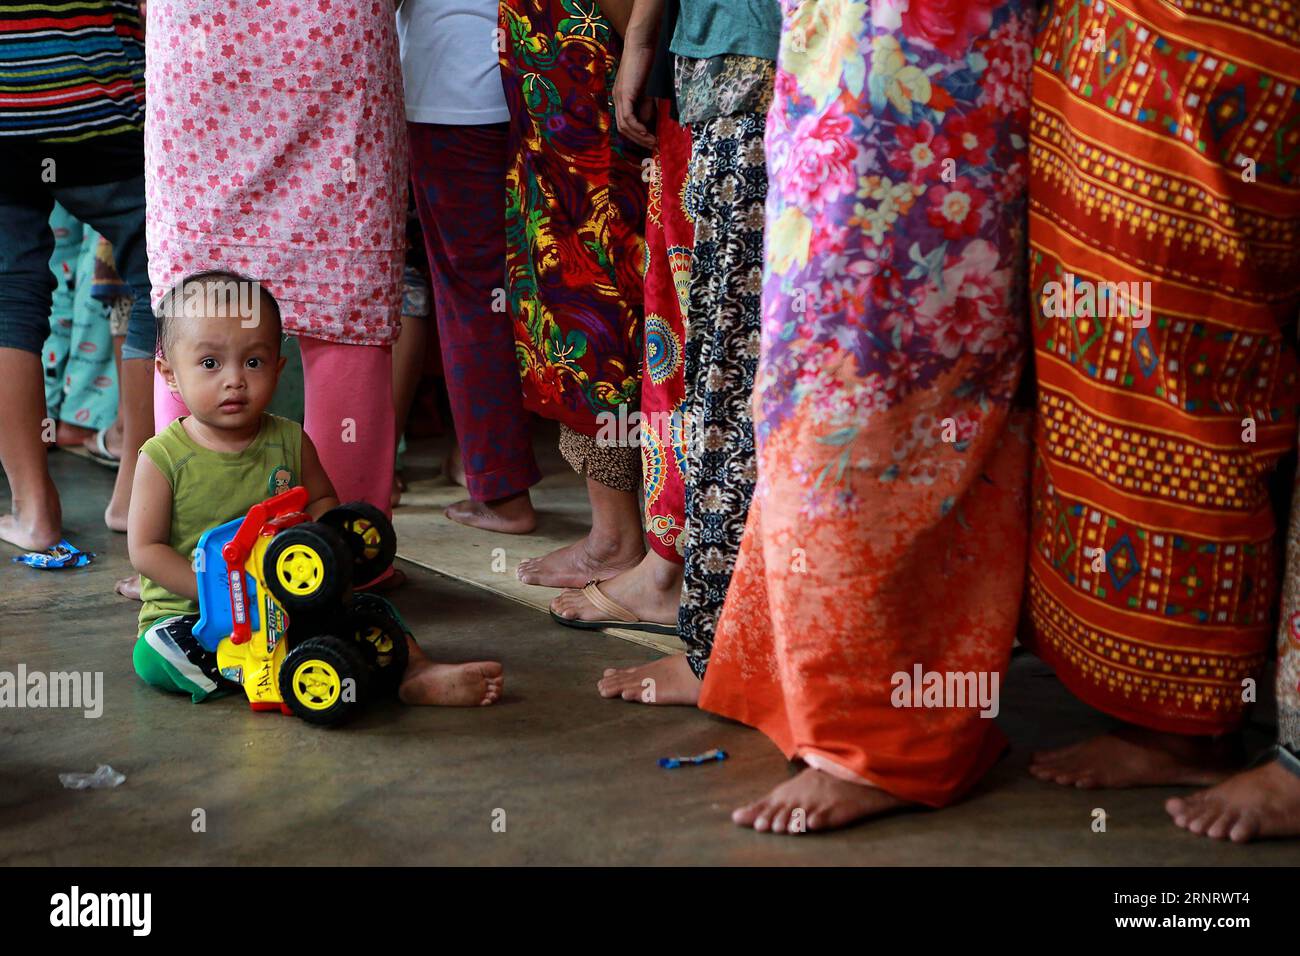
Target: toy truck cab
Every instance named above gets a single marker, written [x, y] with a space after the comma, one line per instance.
[276, 605]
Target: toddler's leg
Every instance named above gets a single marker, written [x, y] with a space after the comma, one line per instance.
[169, 657]
[349, 416]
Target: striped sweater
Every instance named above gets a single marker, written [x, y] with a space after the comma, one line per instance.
[71, 71]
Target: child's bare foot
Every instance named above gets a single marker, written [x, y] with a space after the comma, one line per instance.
[668, 680]
[652, 591]
[1258, 803]
[583, 561]
[395, 495]
[453, 467]
[34, 526]
[115, 517]
[512, 515]
[452, 685]
[129, 587]
[1136, 757]
[827, 803]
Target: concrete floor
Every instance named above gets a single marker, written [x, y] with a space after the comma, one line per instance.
[575, 775]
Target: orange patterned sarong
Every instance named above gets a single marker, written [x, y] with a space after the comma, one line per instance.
[1165, 149]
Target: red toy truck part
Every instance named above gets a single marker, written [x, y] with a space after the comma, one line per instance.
[237, 549]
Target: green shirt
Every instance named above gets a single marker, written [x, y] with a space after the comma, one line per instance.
[212, 487]
[708, 28]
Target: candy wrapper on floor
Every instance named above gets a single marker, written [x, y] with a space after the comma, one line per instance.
[62, 555]
[104, 778]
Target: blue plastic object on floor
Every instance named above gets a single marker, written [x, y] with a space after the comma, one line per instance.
[672, 763]
[62, 555]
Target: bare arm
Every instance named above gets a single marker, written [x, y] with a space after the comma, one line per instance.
[617, 13]
[643, 23]
[148, 533]
[633, 110]
[320, 492]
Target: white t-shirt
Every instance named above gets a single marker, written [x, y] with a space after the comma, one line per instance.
[449, 62]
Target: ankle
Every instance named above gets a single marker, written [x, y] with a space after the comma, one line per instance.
[39, 511]
[516, 503]
[666, 576]
[604, 545]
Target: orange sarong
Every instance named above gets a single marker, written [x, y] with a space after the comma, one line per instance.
[1165, 149]
[888, 529]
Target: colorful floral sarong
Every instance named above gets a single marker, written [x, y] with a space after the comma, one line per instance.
[890, 516]
[575, 212]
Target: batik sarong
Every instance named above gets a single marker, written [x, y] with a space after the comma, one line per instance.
[575, 215]
[1164, 267]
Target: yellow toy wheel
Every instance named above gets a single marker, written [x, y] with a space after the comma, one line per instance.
[369, 536]
[309, 568]
[324, 680]
[300, 570]
[316, 684]
[382, 642]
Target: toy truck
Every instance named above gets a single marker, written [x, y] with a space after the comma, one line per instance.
[276, 605]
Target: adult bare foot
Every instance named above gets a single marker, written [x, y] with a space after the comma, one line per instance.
[452, 685]
[824, 803]
[512, 515]
[1136, 757]
[652, 591]
[575, 565]
[1254, 804]
[668, 680]
[586, 560]
[129, 587]
[454, 467]
[34, 526]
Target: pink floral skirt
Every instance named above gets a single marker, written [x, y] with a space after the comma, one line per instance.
[275, 147]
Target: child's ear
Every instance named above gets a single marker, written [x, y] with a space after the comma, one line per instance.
[168, 376]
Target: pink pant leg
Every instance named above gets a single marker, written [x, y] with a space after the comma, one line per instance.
[349, 416]
[167, 405]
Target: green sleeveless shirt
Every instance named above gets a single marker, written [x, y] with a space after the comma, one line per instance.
[212, 487]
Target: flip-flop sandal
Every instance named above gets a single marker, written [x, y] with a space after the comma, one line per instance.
[618, 615]
[99, 453]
